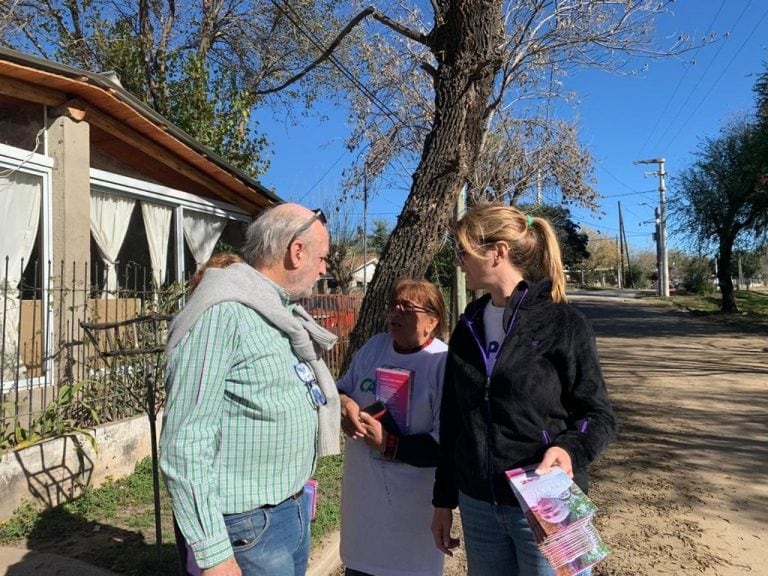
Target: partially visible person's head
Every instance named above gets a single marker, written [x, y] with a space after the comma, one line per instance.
[532, 244]
[289, 244]
[416, 312]
[218, 260]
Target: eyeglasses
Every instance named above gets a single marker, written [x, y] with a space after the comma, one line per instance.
[408, 308]
[317, 214]
[460, 253]
[307, 376]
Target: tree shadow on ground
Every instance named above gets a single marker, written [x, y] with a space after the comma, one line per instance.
[637, 319]
[121, 551]
[689, 396]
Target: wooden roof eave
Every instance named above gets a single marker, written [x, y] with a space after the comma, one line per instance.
[133, 122]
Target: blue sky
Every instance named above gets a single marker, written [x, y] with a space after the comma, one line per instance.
[664, 111]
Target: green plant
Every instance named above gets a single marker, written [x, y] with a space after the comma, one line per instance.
[71, 413]
[753, 306]
[697, 276]
[328, 475]
[20, 525]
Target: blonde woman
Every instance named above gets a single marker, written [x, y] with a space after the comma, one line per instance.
[523, 387]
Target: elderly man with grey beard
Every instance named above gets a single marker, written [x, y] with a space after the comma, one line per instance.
[250, 404]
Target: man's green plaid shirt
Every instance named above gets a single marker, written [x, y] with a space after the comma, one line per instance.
[239, 429]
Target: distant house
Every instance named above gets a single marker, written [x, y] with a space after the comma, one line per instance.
[102, 201]
[361, 271]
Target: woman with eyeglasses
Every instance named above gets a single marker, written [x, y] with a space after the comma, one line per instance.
[392, 447]
[523, 388]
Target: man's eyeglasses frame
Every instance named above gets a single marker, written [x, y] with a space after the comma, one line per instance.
[307, 375]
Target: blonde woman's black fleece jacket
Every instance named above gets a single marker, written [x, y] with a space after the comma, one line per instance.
[546, 389]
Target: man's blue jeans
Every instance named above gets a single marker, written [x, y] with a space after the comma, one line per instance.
[271, 541]
[499, 541]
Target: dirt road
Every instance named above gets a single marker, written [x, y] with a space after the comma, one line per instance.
[684, 489]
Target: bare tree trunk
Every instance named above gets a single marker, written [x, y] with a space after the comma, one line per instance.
[724, 278]
[464, 42]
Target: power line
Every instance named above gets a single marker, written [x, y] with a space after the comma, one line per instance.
[701, 79]
[317, 183]
[296, 20]
[714, 84]
[680, 81]
[634, 193]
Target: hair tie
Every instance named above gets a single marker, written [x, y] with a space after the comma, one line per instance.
[529, 220]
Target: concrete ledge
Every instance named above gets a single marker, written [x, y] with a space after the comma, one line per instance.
[325, 560]
[57, 470]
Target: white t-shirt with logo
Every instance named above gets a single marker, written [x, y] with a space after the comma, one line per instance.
[493, 322]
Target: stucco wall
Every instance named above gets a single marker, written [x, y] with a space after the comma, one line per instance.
[56, 470]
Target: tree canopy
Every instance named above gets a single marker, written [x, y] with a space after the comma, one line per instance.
[203, 64]
[456, 93]
[440, 88]
[722, 198]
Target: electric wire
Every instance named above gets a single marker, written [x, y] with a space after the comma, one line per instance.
[296, 20]
[680, 81]
[673, 121]
[717, 80]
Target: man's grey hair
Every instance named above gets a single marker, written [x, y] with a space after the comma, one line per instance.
[267, 238]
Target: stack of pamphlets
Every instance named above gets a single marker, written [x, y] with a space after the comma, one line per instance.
[311, 489]
[393, 387]
[560, 516]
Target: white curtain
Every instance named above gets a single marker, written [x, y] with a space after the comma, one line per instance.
[20, 197]
[202, 231]
[157, 222]
[110, 216]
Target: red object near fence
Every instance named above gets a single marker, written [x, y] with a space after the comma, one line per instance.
[337, 313]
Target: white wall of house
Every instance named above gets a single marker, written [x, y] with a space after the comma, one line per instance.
[366, 272]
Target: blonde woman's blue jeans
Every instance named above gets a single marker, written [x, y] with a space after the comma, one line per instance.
[499, 541]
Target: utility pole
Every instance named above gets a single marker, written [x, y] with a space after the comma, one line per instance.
[620, 247]
[459, 281]
[365, 229]
[657, 238]
[662, 226]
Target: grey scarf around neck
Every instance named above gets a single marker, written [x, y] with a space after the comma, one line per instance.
[243, 284]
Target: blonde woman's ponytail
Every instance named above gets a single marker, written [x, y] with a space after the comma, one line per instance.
[550, 258]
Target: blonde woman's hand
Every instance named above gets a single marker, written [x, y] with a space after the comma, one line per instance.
[556, 456]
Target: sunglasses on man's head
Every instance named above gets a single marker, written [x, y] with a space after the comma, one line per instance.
[317, 214]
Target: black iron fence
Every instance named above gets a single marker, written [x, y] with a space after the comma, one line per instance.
[73, 356]
[54, 379]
